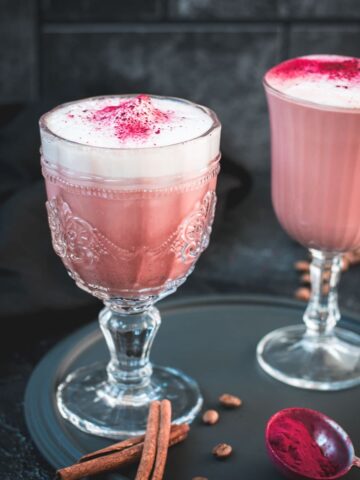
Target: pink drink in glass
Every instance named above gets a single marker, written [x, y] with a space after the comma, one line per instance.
[129, 240]
[130, 183]
[314, 106]
[132, 220]
[316, 169]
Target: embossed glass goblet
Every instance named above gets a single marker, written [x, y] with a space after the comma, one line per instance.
[129, 242]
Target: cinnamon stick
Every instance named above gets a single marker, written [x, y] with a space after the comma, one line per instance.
[115, 456]
[148, 455]
[162, 440]
[100, 464]
[117, 447]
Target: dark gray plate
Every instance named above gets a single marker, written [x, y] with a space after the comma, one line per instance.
[214, 340]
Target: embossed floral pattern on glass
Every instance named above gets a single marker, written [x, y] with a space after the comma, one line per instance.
[106, 268]
[129, 241]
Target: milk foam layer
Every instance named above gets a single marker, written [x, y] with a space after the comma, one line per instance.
[131, 136]
[329, 80]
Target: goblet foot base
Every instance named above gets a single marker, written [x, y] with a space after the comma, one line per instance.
[94, 405]
[317, 363]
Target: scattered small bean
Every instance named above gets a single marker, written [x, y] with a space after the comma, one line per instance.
[210, 417]
[222, 450]
[230, 401]
[302, 293]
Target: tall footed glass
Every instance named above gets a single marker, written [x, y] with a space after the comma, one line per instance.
[316, 197]
[129, 240]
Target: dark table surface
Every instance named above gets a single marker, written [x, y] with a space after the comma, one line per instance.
[39, 305]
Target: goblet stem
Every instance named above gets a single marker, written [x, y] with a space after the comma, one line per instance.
[322, 312]
[112, 400]
[129, 337]
[316, 355]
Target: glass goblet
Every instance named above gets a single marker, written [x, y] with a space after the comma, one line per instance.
[316, 197]
[129, 242]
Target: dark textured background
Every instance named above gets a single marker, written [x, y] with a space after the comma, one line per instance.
[210, 51]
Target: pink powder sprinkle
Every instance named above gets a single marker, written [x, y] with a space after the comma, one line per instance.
[136, 118]
[346, 69]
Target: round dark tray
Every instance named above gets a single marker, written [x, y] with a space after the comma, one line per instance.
[214, 340]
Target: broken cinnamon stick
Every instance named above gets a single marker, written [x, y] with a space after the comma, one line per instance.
[162, 440]
[115, 456]
[149, 452]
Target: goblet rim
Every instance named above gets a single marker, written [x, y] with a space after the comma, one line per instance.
[307, 103]
[44, 126]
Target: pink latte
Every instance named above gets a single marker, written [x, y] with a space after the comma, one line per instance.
[131, 190]
[314, 105]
